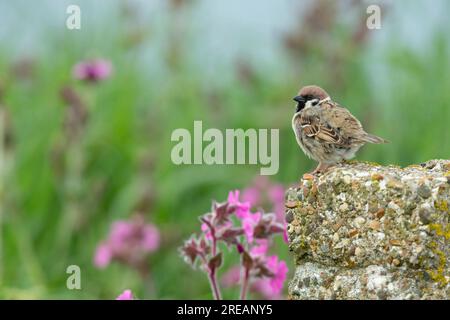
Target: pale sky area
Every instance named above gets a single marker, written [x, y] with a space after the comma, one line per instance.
[219, 31]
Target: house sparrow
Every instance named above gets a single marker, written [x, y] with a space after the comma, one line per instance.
[327, 132]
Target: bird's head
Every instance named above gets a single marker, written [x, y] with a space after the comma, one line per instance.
[309, 96]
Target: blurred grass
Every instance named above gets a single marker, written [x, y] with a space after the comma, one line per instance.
[125, 148]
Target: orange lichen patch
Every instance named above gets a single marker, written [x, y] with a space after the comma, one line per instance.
[380, 213]
[374, 225]
[314, 189]
[291, 204]
[395, 242]
[352, 233]
[308, 176]
[377, 177]
[337, 225]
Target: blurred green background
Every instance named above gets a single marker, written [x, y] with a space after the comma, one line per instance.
[232, 64]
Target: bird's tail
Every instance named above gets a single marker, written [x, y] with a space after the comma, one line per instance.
[373, 139]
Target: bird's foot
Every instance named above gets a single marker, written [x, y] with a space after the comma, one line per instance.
[321, 168]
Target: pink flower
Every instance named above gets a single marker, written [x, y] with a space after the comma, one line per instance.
[262, 189]
[150, 238]
[276, 193]
[280, 269]
[276, 196]
[264, 193]
[249, 222]
[263, 287]
[92, 70]
[118, 235]
[232, 277]
[242, 208]
[128, 242]
[271, 288]
[252, 196]
[102, 256]
[260, 249]
[126, 295]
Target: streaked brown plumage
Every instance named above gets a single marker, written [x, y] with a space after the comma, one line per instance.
[327, 132]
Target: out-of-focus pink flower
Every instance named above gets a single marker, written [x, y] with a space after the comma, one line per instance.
[92, 70]
[119, 233]
[128, 242]
[280, 270]
[102, 256]
[276, 193]
[249, 221]
[251, 195]
[260, 249]
[264, 193]
[271, 287]
[242, 208]
[150, 239]
[268, 287]
[276, 196]
[126, 295]
[263, 287]
[232, 277]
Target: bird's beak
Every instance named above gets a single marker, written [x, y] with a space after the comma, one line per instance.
[299, 99]
[300, 102]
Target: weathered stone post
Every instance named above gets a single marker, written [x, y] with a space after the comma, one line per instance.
[365, 231]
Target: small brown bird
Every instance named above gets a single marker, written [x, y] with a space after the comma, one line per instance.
[327, 132]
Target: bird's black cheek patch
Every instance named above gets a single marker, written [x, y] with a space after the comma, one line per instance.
[300, 106]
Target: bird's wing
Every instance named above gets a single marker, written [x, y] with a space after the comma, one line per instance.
[335, 125]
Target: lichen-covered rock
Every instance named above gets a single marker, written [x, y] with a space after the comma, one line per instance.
[365, 231]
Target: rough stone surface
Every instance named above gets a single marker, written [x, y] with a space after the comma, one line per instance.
[365, 231]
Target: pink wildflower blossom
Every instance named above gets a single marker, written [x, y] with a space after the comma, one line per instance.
[249, 222]
[92, 70]
[242, 208]
[128, 242]
[126, 295]
[280, 270]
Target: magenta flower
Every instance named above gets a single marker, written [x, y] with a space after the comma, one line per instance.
[233, 224]
[276, 193]
[271, 287]
[102, 256]
[263, 287]
[126, 295]
[92, 70]
[231, 277]
[242, 208]
[128, 242]
[276, 196]
[251, 195]
[260, 249]
[279, 270]
[249, 221]
[264, 193]
[150, 238]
